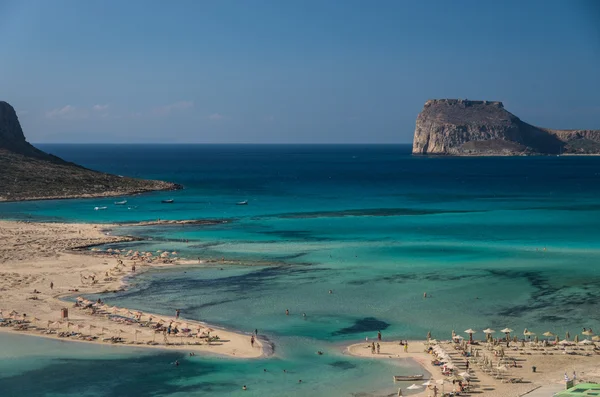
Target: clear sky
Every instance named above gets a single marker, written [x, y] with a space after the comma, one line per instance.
[283, 71]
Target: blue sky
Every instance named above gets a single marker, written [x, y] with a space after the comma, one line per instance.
[290, 71]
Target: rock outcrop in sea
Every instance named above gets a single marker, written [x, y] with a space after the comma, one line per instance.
[27, 173]
[464, 127]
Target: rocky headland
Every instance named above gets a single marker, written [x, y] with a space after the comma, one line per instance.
[464, 127]
[27, 173]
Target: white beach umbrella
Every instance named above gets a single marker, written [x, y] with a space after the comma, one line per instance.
[528, 333]
[587, 333]
[488, 331]
[413, 387]
[548, 334]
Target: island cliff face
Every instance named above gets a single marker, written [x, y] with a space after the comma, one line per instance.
[27, 173]
[463, 127]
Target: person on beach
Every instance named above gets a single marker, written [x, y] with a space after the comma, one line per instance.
[256, 332]
[51, 285]
[373, 348]
[252, 340]
[287, 312]
[424, 294]
[467, 365]
[435, 391]
[406, 347]
[177, 363]
[379, 336]
[133, 268]
[378, 348]
[244, 387]
[177, 312]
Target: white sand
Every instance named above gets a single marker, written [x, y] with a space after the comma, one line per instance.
[32, 255]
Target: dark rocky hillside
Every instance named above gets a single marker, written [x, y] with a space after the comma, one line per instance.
[27, 173]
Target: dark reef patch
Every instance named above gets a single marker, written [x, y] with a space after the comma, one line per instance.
[344, 365]
[370, 212]
[367, 324]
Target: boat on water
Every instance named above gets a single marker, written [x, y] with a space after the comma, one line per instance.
[121, 202]
[400, 378]
[245, 202]
[170, 201]
[99, 208]
[132, 207]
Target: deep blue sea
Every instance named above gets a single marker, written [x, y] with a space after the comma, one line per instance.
[494, 241]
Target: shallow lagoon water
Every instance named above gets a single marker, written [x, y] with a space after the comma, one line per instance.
[494, 241]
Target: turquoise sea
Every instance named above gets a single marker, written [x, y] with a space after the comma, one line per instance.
[495, 242]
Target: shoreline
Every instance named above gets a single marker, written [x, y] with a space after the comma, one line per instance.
[33, 255]
[136, 192]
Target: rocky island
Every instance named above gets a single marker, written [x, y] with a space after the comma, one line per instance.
[27, 173]
[464, 127]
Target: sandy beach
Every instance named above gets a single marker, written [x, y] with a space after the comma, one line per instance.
[40, 264]
[549, 375]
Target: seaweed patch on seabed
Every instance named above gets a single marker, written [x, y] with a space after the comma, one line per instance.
[300, 235]
[256, 279]
[107, 375]
[366, 324]
[371, 212]
[344, 365]
[557, 299]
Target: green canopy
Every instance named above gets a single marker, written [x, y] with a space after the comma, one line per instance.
[581, 390]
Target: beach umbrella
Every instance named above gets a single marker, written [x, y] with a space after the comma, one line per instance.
[428, 335]
[528, 333]
[568, 335]
[488, 331]
[548, 334]
[458, 337]
[470, 332]
[576, 340]
[587, 332]
[596, 338]
[413, 387]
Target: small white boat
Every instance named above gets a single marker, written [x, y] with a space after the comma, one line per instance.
[99, 208]
[398, 378]
[121, 202]
[245, 202]
[170, 201]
